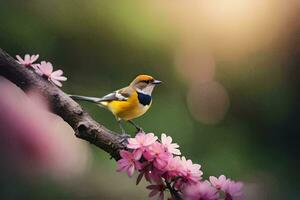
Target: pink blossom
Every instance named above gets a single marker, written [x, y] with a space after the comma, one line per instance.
[46, 69]
[156, 153]
[167, 142]
[141, 141]
[129, 162]
[233, 190]
[220, 183]
[191, 172]
[175, 167]
[201, 190]
[157, 189]
[154, 160]
[151, 173]
[28, 60]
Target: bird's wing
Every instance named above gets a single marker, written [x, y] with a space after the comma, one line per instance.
[119, 95]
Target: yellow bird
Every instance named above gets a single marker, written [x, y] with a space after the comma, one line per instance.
[129, 102]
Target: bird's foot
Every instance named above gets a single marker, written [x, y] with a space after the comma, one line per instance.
[124, 137]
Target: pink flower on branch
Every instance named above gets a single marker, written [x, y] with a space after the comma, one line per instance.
[200, 190]
[167, 143]
[141, 141]
[129, 162]
[220, 183]
[191, 172]
[158, 155]
[174, 168]
[154, 160]
[28, 60]
[46, 69]
[233, 190]
[150, 173]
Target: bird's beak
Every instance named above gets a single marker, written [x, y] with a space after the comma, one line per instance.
[156, 82]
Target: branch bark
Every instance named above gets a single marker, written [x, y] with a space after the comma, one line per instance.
[61, 104]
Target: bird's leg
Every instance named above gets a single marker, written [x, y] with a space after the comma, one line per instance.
[121, 127]
[124, 136]
[138, 128]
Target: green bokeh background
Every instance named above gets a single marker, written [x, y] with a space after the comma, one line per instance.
[102, 45]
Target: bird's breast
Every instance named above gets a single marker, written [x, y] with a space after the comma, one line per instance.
[135, 106]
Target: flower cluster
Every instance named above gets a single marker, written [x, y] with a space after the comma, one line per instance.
[44, 69]
[158, 161]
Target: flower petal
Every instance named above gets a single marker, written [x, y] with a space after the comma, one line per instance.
[57, 73]
[125, 154]
[59, 78]
[27, 58]
[59, 84]
[20, 60]
[130, 171]
[153, 193]
[137, 154]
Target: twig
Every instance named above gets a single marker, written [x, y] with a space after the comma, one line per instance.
[174, 193]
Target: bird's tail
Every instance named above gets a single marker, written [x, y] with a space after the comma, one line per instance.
[85, 98]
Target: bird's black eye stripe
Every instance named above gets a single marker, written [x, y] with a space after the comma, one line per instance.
[147, 81]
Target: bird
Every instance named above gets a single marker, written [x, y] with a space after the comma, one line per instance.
[129, 102]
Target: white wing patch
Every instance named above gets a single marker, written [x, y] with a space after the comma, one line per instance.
[114, 96]
[120, 96]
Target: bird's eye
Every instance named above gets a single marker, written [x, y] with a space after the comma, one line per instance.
[146, 81]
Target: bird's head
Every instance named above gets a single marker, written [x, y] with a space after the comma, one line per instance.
[144, 84]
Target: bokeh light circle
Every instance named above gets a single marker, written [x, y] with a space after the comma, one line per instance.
[208, 102]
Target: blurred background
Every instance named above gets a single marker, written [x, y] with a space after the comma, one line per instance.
[230, 96]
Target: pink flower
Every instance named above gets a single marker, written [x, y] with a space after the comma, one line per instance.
[175, 167]
[167, 142]
[157, 154]
[191, 172]
[151, 173]
[201, 190]
[159, 188]
[28, 60]
[46, 69]
[129, 162]
[141, 141]
[233, 190]
[220, 183]
[154, 160]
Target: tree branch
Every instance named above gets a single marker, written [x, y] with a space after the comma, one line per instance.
[61, 104]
